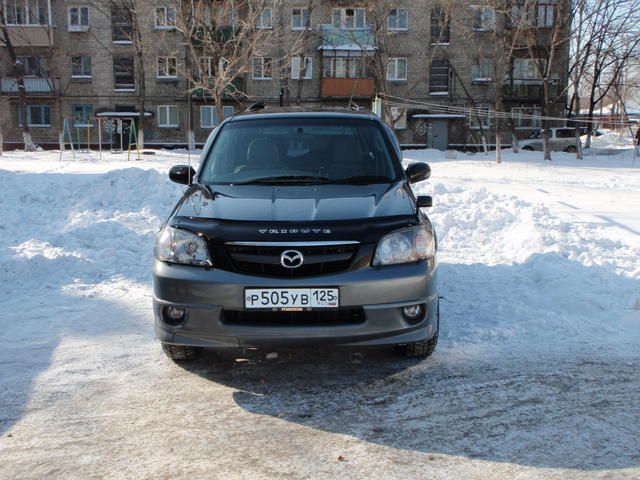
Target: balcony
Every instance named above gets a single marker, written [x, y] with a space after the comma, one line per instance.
[34, 87]
[30, 35]
[361, 39]
[363, 87]
[528, 89]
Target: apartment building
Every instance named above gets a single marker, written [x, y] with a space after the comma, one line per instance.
[433, 63]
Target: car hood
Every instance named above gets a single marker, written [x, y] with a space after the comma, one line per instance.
[310, 203]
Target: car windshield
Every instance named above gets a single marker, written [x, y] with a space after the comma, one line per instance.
[536, 134]
[299, 150]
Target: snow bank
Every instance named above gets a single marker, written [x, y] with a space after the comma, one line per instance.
[511, 270]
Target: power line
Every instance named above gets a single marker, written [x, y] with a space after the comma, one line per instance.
[482, 111]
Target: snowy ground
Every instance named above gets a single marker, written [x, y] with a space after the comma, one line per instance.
[537, 374]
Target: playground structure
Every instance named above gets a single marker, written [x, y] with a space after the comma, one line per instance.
[119, 129]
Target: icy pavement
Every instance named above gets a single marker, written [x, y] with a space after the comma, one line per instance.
[537, 374]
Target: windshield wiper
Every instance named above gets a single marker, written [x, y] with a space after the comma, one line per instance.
[276, 179]
[362, 180]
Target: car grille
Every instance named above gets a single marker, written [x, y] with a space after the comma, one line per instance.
[265, 260]
[314, 318]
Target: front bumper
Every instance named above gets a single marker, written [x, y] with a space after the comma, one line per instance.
[206, 294]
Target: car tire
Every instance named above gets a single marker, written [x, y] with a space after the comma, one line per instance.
[425, 348]
[180, 353]
[570, 149]
[528, 148]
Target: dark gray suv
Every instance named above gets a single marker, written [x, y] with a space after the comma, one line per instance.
[298, 229]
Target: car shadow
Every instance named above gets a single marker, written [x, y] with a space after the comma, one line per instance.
[568, 404]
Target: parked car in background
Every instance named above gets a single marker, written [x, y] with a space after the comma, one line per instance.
[560, 139]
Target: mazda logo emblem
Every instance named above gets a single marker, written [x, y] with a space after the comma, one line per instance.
[291, 259]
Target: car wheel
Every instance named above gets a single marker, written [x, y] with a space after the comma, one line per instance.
[528, 148]
[425, 348]
[180, 353]
[571, 149]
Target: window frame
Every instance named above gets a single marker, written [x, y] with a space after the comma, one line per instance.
[486, 119]
[482, 26]
[443, 23]
[480, 65]
[302, 17]
[42, 108]
[84, 108]
[263, 62]
[395, 61]
[397, 27]
[42, 15]
[435, 90]
[167, 67]
[546, 13]
[308, 73]
[131, 88]
[169, 25]
[78, 27]
[167, 109]
[83, 73]
[343, 23]
[260, 25]
[114, 27]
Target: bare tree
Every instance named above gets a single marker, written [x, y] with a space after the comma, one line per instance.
[19, 72]
[223, 38]
[611, 44]
[548, 33]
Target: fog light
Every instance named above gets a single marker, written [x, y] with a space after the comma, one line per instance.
[174, 315]
[413, 312]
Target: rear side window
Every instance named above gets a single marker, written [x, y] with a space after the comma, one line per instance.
[333, 149]
[565, 133]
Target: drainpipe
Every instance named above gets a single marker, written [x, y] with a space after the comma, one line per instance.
[50, 23]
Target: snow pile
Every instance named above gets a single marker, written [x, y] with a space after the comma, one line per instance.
[512, 271]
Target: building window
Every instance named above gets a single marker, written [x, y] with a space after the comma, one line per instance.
[265, 18]
[167, 116]
[78, 19]
[81, 67]
[399, 118]
[82, 115]
[483, 18]
[397, 69]
[26, 12]
[398, 20]
[206, 66]
[526, 117]
[123, 74]
[439, 77]
[32, 66]
[482, 71]
[440, 28]
[209, 115]
[349, 18]
[167, 67]
[261, 68]
[522, 15]
[343, 67]
[480, 116]
[37, 116]
[300, 19]
[305, 72]
[165, 18]
[527, 68]
[121, 25]
[546, 13]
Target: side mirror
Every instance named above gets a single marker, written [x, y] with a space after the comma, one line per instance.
[182, 174]
[424, 201]
[418, 172]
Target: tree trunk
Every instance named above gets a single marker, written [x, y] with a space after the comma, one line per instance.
[498, 141]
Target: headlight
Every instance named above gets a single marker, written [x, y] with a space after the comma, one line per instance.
[405, 246]
[179, 246]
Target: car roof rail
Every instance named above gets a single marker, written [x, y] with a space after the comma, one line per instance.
[254, 107]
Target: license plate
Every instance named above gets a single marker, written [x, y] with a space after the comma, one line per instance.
[292, 299]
